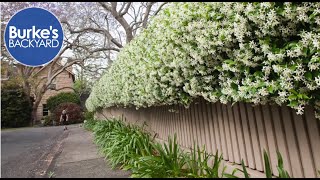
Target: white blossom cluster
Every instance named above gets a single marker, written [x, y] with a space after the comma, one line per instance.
[228, 52]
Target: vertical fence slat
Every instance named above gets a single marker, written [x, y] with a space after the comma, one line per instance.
[254, 138]
[314, 135]
[163, 117]
[159, 123]
[186, 125]
[281, 143]
[171, 122]
[194, 123]
[165, 114]
[198, 117]
[304, 146]
[294, 155]
[227, 132]
[189, 118]
[263, 145]
[206, 125]
[247, 139]
[221, 132]
[216, 127]
[270, 139]
[201, 122]
[181, 125]
[211, 129]
[240, 135]
[234, 141]
[174, 125]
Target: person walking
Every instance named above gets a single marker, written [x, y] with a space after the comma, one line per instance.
[64, 118]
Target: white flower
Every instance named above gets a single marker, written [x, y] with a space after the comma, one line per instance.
[300, 110]
[317, 80]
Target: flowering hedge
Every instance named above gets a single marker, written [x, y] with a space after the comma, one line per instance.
[227, 52]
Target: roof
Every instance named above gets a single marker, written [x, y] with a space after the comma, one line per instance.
[73, 75]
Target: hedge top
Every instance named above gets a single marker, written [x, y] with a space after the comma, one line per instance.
[228, 52]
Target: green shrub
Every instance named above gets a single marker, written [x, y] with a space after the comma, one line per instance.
[74, 111]
[168, 161]
[48, 120]
[89, 124]
[258, 52]
[15, 108]
[63, 97]
[132, 147]
[282, 172]
[198, 166]
[120, 142]
[88, 115]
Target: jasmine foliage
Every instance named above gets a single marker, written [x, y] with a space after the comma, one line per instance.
[255, 52]
[133, 148]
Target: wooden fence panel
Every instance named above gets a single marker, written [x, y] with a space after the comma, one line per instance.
[221, 132]
[227, 132]
[233, 134]
[240, 131]
[211, 129]
[304, 146]
[247, 139]
[313, 127]
[254, 137]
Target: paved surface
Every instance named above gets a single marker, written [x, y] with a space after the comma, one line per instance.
[79, 158]
[25, 151]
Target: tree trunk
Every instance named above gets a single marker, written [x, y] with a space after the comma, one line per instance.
[35, 108]
[34, 115]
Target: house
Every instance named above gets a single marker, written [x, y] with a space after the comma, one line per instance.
[62, 83]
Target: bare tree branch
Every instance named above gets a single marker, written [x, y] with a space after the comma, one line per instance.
[146, 14]
[96, 30]
[126, 10]
[160, 7]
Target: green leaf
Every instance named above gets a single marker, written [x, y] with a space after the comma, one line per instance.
[293, 103]
[267, 165]
[246, 174]
[229, 61]
[234, 86]
[292, 97]
[308, 76]
[270, 89]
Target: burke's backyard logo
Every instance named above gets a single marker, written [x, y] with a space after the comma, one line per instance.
[33, 36]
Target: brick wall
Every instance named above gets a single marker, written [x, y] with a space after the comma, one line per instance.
[62, 80]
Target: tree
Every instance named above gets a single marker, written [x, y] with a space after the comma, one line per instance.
[32, 85]
[88, 39]
[117, 23]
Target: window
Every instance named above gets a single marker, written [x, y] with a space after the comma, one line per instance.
[45, 111]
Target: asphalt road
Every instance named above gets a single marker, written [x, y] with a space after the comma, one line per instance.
[24, 150]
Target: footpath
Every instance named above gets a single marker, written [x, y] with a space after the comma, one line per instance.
[78, 157]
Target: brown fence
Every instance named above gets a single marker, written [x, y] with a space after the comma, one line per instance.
[241, 131]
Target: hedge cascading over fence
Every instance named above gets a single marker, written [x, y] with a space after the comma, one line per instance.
[227, 52]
